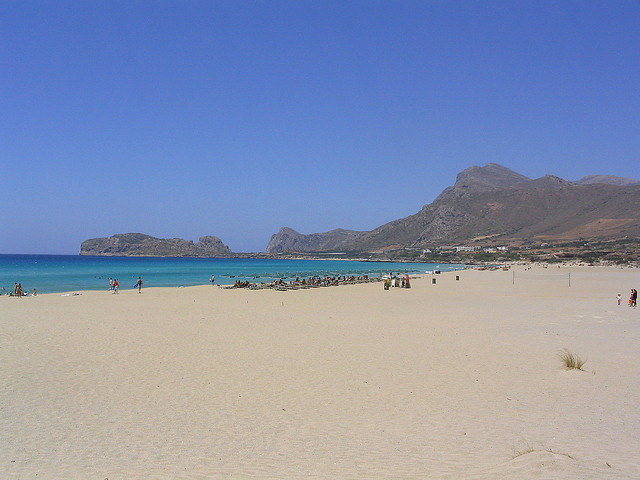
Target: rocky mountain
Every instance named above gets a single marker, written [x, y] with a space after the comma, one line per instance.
[607, 179]
[490, 177]
[495, 205]
[141, 245]
[288, 240]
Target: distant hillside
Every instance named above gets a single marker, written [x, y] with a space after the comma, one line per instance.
[288, 240]
[141, 245]
[607, 179]
[493, 204]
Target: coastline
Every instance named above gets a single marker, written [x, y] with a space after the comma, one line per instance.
[564, 268]
[62, 273]
[272, 256]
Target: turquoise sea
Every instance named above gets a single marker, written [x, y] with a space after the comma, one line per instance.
[64, 273]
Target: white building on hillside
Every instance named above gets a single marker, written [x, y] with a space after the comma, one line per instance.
[466, 249]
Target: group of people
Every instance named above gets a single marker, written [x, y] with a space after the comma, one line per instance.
[329, 281]
[19, 292]
[633, 299]
[400, 280]
[314, 281]
[114, 286]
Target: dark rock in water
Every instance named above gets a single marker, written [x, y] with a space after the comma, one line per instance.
[141, 245]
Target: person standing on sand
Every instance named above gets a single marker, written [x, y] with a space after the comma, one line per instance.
[115, 285]
[619, 297]
[213, 280]
[110, 283]
[139, 284]
[634, 297]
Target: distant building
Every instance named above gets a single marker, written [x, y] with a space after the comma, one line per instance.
[466, 249]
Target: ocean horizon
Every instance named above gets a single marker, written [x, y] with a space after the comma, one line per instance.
[65, 273]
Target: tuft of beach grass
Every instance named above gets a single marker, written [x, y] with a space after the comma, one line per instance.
[529, 449]
[524, 451]
[571, 361]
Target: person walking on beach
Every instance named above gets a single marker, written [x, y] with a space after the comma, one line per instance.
[110, 284]
[213, 280]
[115, 285]
[619, 297]
[139, 284]
[634, 298]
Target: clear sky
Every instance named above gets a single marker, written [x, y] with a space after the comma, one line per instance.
[182, 119]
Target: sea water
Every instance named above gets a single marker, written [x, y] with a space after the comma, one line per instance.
[65, 273]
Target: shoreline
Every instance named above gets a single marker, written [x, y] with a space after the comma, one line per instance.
[62, 274]
[204, 285]
[510, 266]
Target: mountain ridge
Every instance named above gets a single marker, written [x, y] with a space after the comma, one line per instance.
[496, 202]
[607, 179]
[487, 205]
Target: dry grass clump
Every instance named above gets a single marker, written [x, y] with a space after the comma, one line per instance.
[571, 361]
[561, 453]
[524, 451]
[529, 449]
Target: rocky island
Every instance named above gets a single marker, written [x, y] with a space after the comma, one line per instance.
[141, 245]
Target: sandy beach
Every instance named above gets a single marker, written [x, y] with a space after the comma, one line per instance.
[460, 379]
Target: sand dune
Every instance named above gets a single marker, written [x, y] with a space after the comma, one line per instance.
[453, 380]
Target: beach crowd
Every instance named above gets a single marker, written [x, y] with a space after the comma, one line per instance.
[400, 280]
[19, 292]
[114, 285]
[310, 282]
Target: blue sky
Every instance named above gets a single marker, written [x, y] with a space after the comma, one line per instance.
[182, 119]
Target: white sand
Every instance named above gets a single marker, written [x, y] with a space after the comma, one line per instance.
[440, 381]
